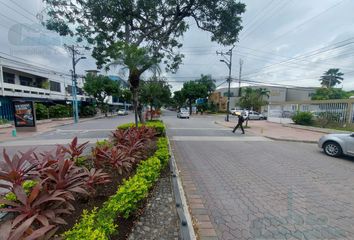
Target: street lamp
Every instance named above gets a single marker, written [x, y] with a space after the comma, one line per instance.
[74, 87]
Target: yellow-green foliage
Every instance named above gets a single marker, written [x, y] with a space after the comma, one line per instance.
[27, 186]
[162, 152]
[99, 225]
[104, 143]
[156, 124]
[87, 228]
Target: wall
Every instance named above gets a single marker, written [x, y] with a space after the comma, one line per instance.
[295, 94]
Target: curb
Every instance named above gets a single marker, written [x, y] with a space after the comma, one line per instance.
[290, 140]
[315, 129]
[7, 125]
[186, 225]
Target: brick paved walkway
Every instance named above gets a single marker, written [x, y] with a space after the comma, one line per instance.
[279, 196]
[246, 189]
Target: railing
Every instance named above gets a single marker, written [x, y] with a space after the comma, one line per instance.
[339, 111]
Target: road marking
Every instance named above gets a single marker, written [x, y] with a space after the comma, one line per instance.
[221, 139]
[214, 129]
[82, 130]
[47, 142]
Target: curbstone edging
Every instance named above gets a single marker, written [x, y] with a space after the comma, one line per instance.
[186, 224]
[315, 129]
[290, 140]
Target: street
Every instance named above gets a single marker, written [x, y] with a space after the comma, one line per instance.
[249, 187]
[91, 131]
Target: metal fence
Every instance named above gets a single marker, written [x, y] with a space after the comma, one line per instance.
[339, 112]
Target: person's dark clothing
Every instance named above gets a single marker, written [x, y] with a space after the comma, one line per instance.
[239, 124]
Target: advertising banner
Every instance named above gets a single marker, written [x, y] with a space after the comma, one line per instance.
[24, 114]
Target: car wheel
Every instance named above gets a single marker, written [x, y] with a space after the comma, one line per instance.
[332, 149]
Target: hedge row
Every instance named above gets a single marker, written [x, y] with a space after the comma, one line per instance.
[156, 124]
[99, 225]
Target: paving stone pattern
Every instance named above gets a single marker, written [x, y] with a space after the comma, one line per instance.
[159, 220]
[266, 190]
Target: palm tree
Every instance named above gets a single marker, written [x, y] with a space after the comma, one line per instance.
[331, 77]
[137, 61]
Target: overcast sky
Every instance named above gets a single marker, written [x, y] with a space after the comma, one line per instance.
[283, 42]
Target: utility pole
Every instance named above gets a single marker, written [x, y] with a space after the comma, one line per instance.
[74, 53]
[239, 78]
[228, 63]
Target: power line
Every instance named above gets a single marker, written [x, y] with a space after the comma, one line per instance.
[303, 23]
[264, 20]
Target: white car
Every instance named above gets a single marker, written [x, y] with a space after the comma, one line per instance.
[253, 115]
[335, 145]
[122, 112]
[183, 113]
[236, 111]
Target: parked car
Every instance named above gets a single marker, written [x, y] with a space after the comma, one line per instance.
[122, 112]
[236, 111]
[335, 145]
[183, 113]
[253, 115]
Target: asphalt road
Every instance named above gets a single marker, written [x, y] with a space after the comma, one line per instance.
[85, 131]
[253, 188]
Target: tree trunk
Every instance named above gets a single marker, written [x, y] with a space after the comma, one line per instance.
[134, 88]
[140, 113]
[151, 111]
[135, 105]
[190, 106]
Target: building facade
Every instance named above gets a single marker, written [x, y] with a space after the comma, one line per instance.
[276, 94]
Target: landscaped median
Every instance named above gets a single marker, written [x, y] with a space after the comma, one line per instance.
[66, 184]
[99, 224]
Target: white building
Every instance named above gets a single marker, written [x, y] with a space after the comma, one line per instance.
[21, 80]
[276, 94]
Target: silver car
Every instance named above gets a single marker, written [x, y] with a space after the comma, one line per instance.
[183, 113]
[335, 145]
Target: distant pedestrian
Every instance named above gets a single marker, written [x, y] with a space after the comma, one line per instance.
[241, 119]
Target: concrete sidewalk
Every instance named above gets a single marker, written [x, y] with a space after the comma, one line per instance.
[278, 131]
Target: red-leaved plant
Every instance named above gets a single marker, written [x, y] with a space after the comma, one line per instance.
[74, 149]
[12, 230]
[96, 177]
[45, 206]
[65, 176]
[16, 170]
[115, 157]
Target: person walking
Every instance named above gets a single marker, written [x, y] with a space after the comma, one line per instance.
[241, 119]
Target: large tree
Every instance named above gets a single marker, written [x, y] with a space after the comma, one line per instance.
[155, 92]
[101, 87]
[330, 93]
[153, 29]
[193, 90]
[178, 99]
[331, 78]
[209, 82]
[254, 98]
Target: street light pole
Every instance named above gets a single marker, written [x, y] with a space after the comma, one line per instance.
[75, 52]
[228, 63]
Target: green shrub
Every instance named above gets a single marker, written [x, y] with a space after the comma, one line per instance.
[88, 229]
[100, 225]
[104, 143]
[88, 111]
[60, 111]
[3, 121]
[42, 111]
[158, 125]
[303, 118]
